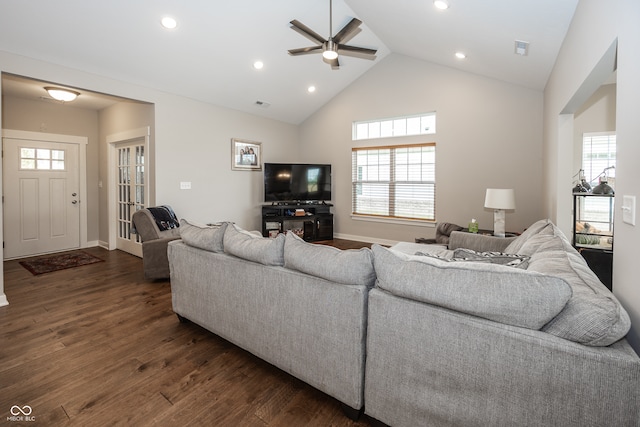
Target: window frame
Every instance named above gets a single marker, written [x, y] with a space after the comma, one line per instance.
[591, 173]
[395, 127]
[393, 183]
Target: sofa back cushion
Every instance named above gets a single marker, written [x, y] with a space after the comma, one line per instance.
[349, 267]
[503, 294]
[253, 247]
[209, 238]
[593, 316]
[542, 227]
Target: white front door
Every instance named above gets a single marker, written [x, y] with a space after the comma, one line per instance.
[41, 197]
[130, 187]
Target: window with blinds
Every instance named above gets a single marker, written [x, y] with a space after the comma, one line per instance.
[598, 154]
[598, 161]
[394, 182]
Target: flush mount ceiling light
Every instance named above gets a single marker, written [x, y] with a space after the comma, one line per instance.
[461, 55]
[60, 94]
[169, 23]
[311, 89]
[258, 65]
[441, 4]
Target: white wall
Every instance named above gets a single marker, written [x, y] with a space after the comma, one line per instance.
[597, 115]
[193, 143]
[489, 134]
[595, 27]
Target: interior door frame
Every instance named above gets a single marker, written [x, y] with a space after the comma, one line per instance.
[82, 142]
[113, 141]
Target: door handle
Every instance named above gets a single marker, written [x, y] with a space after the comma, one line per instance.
[74, 202]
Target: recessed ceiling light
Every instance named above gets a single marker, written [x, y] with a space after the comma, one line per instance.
[461, 55]
[441, 4]
[169, 23]
[258, 65]
[311, 89]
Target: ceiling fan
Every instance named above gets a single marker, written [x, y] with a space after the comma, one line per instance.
[331, 47]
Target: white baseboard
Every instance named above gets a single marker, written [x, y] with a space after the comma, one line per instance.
[103, 244]
[3, 300]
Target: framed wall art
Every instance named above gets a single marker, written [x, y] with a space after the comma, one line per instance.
[246, 155]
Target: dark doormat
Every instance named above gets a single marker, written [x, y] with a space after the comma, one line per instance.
[47, 264]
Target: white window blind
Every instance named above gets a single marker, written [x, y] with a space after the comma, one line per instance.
[394, 182]
[598, 153]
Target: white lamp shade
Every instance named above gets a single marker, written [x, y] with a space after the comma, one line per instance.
[500, 198]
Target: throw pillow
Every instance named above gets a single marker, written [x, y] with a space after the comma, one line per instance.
[510, 260]
[463, 254]
[350, 266]
[593, 316]
[495, 292]
[253, 247]
[204, 237]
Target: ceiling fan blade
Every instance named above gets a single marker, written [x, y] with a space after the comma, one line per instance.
[357, 51]
[346, 32]
[305, 50]
[306, 31]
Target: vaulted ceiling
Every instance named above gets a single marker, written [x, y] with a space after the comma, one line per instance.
[210, 55]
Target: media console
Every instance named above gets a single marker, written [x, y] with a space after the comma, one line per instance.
[310, 221]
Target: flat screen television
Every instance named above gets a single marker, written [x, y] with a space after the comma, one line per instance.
[295, 182]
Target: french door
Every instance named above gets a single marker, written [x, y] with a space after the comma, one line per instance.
[130, 193]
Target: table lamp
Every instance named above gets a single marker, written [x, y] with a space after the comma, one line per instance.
[499, 199]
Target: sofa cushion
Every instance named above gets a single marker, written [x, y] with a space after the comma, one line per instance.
[350, 266]
[544, 226]
[252, 247]
[593, 316]
[495, 292]
[207, 237]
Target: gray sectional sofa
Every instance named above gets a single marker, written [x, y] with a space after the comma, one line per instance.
[446, 337]
[300, 307]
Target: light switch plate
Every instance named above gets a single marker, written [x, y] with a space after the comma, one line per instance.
[629, 209]
[185, 185]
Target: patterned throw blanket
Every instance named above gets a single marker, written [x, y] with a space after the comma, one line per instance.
[164, 217]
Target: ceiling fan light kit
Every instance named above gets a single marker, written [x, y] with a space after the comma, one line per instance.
[332, 47]
[330, 50]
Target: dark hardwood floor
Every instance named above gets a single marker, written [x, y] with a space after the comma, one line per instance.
[98, 345]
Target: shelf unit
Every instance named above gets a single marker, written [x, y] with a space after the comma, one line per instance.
[310, 221]
[593, 232]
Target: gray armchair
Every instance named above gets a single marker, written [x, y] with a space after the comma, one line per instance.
[154, 242]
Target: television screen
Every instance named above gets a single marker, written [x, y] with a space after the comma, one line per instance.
[289, 182]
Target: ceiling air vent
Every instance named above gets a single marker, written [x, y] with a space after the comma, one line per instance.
[521, 48]
[263, 104]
